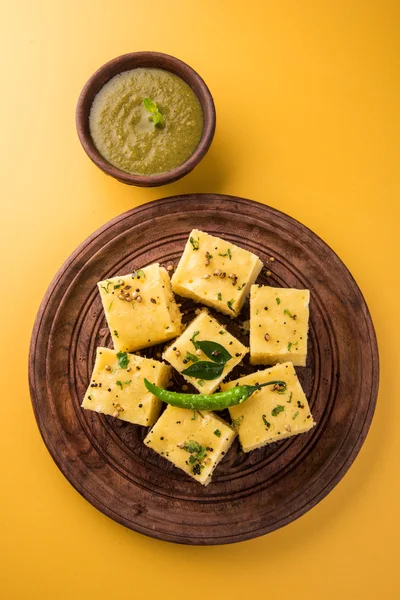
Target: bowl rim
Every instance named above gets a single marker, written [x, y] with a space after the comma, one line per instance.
[126, 62]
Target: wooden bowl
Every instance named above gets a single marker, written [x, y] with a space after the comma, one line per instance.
[150, 60]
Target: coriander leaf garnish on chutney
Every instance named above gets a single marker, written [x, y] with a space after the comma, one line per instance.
[155, 116]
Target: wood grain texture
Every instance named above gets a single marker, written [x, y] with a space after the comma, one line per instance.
[251, 494]
[151, 60]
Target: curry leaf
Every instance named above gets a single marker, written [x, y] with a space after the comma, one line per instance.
[193, 339]
[204, 370]
[214, 351]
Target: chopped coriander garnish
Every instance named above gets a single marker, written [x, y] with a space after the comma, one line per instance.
[123, 359]
[236, 422]
[139, 273]
[275, 411]
[195, 243]
[240, 287]
[290, 344]
[110, 305]
[229, 304]
[289, 314]
[192, 357]
[222, 332]
[257, 311]
[121, 384]
[278, 300]
[197, 455]
[267, 425]
[217, 433]
[116, 333]
[227, 253]
[219, 296]
[117, 286]
[192, 339]
[192, 446]
[296, 414]
[108, 283]
[290, 398]
[193, 459]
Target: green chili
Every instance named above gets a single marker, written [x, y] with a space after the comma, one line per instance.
[218, 401]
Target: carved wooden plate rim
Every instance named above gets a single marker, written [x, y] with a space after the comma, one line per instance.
[92, 451]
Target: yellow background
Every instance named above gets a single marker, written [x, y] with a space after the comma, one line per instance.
[307, 98]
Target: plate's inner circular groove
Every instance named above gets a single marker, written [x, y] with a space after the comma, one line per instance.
[106, 459]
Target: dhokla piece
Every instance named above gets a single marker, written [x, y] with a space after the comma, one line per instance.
[278, 325]
[184, 351]
[194, 442]
[215, 272]
[117, 386]
[140, 308]
[271, 413]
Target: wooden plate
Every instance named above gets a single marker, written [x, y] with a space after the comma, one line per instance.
[251, 494]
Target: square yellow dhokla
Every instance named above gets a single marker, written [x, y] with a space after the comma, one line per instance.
[140, 308]
[278, 325]
[117, 386]
[270, 415]
[215, 272]
[194, 442]
[182, 353]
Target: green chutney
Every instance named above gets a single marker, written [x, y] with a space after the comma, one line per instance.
[122, 129]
